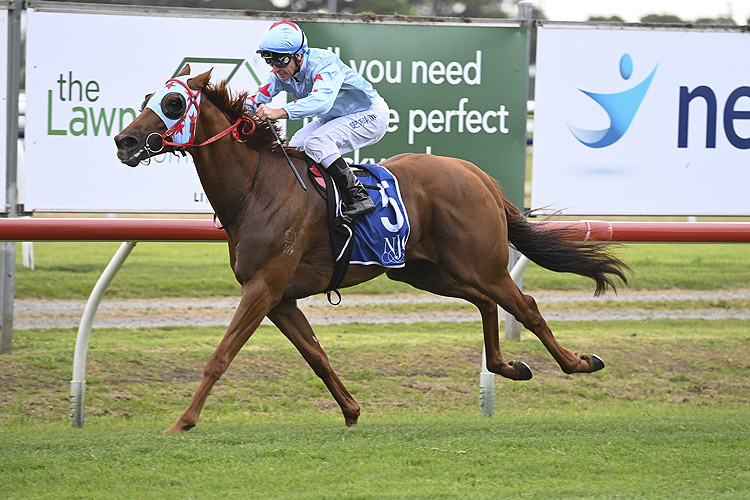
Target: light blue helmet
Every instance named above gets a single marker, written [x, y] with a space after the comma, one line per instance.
[283, 37]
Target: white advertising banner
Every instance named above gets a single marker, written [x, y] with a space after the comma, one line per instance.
[641, 122]
[3, 100]
[87, 82]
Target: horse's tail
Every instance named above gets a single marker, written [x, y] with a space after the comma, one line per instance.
[558, 250]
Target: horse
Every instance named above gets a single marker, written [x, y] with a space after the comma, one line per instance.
[280, 250]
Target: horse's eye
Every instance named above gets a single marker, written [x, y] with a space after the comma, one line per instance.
[173, 106]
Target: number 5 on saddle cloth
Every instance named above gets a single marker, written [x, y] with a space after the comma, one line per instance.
[378, 238]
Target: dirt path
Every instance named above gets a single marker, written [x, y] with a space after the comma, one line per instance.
[563, 306]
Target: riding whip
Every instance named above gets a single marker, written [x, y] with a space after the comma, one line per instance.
[289, 161]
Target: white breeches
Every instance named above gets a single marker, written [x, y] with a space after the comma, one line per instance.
[326, 141]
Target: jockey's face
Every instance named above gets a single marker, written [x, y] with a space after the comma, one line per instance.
[290, 69]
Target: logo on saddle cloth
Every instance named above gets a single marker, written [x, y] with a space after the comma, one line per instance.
[380, 237]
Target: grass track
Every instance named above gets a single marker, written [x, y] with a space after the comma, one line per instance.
[667, 417]
[695, 453]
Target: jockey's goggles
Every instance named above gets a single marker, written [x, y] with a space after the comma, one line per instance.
[276, 59]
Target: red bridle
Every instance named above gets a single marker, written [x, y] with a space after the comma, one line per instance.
[192, 101]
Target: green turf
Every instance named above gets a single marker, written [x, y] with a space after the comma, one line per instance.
[691, 453]
[667, 417]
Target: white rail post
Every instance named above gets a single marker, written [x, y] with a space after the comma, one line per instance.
[486, 388]
[486, 377]
[512, 326]
[78, 383]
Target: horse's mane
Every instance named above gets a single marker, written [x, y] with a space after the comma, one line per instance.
[233, 106]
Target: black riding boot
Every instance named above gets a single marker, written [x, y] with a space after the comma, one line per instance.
[356, 200]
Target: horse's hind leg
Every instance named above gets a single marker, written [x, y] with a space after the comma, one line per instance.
[490, 276]
[294, 325]
[525, 310]
[427, 276]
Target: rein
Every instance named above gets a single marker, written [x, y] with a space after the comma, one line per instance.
[233, 129]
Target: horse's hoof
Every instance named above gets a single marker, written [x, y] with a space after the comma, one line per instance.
[523, 370]
[597, 362]
[178, 428]
[351, 419]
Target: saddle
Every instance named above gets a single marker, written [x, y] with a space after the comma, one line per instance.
[378, 238]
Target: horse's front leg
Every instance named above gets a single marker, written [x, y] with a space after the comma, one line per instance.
[293, 323]
[255, 303]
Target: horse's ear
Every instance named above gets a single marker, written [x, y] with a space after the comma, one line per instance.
[185, 71]
[201, 80]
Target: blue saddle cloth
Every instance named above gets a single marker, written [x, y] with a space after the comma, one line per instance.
[380, 237]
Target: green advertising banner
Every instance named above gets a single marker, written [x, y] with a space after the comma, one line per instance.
[455, 91]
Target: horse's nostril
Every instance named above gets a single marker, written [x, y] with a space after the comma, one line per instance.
[125, 142]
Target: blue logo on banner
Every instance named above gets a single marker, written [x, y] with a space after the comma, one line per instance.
[621, 108]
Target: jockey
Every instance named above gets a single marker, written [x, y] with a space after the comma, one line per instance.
[348, 113]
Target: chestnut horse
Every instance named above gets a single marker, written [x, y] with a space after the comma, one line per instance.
[280, 251]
